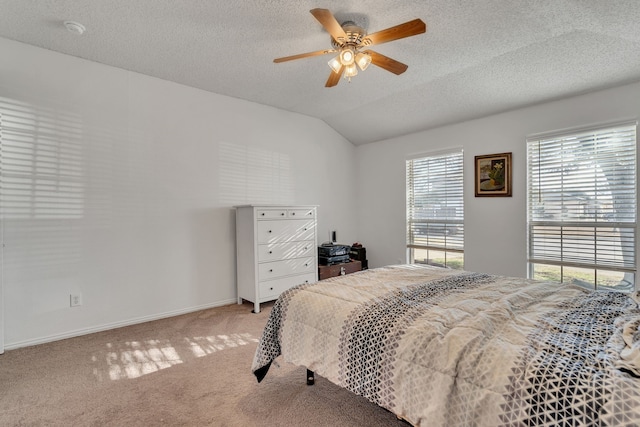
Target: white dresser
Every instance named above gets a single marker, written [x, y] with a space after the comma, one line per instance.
[276, 248]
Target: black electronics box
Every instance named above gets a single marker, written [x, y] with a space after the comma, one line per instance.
[358, 253]
[331, 260]
[331, 250]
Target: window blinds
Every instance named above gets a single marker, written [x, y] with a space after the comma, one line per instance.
[582, 198]
[435, 209]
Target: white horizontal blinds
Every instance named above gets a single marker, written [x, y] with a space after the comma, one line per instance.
[435, 210]
[41, 164]
[582, 198]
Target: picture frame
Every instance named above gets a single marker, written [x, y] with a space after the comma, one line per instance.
[493, 175]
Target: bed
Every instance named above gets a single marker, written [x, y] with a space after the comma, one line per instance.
[441, 347]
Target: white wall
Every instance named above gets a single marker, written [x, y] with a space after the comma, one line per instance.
[495, 228]
[161, 166]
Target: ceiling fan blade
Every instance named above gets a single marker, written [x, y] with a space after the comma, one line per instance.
[303, 55]
[401, 31]
[334, 78]
[387, 63]
[329, 22]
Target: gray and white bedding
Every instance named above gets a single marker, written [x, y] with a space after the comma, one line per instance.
[441, 347]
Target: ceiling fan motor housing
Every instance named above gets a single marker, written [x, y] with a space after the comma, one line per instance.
[354, 33]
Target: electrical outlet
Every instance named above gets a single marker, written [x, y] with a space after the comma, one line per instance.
[75, 300]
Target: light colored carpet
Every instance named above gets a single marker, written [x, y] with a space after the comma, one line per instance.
[189, 370]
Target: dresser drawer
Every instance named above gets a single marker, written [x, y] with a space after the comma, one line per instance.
[271, 289]
[301, 213]
[285, 231]
[327, 271]
[289, 267]
[271, 213]
[278, 251]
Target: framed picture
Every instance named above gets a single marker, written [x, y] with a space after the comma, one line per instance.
[493, 175]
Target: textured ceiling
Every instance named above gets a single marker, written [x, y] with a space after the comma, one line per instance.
[476, 58]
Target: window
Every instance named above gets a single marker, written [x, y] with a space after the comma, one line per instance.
[435, 210]
[582, 207]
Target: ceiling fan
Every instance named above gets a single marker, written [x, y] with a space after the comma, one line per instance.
[349, 39]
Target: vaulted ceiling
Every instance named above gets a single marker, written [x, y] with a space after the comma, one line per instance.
[476, 57]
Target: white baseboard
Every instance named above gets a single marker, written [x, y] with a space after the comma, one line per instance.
[91, 330]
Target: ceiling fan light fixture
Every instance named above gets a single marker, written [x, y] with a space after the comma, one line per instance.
[335, 64]
[347, 56]
[350, 71]
[363, 60]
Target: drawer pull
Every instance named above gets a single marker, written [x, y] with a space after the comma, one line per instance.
[270, 252]
[293, 214]
[271, 270]
[269, 231]
[282, 213]
[262, 214]
[271, 289]
[306, 264]
[305, 229]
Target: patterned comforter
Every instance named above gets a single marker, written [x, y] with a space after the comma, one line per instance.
[442, 347]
